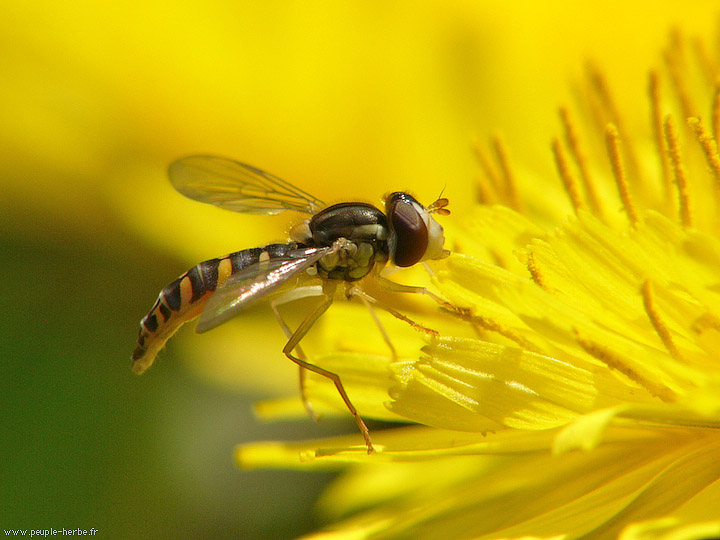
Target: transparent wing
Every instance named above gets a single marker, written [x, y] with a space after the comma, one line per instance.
[253, 283]
[237, 186]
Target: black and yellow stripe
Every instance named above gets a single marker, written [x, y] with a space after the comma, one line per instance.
[184, 299]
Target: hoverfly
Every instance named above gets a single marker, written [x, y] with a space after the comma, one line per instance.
[339, 244]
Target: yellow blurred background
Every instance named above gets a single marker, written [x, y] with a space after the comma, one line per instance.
[346, 99]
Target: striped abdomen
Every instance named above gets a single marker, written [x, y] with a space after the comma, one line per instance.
[184, 299]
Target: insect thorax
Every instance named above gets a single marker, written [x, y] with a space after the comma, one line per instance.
[357, 232]
[350, 260]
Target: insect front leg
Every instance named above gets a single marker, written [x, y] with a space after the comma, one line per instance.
[367, 299]
[392, 286]
[292, 345]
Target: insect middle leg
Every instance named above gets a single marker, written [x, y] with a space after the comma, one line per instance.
[386, 337]
[300, 360]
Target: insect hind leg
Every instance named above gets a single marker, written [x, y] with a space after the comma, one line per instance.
[301, 361]
[301, 354]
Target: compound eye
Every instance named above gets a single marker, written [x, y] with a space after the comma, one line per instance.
[409, 229]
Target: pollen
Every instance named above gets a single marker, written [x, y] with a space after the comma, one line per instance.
[657, 127]
[657, 321]
[680, 175]
[709, 147]
[716, 114]
[536, 272]
[569, 181]
[618, 362]
[498, 182]
[612, 141]
[572, 138]
[674, 62]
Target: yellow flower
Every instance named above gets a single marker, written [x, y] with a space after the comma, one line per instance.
[574, 391]
[345, 99]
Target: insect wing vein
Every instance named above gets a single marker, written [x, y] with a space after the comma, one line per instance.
[253, 283]
[239, 187]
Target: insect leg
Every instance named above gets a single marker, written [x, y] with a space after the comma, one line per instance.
[392, 286]
[355, 291]
[292, 345]
[301, 370]
[379, 324]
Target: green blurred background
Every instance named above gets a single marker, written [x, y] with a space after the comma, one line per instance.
[347, 100]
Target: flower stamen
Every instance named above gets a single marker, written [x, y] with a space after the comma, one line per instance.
[710, 148]
[487, 184]
[568, 180]
[602, 90]
[707, 64]
[657, 124]
[716, 114]
[612, 141]
[673, 145]
[674, 61]
[600, 86]
[660, 327]
[614, 361]
[536, 273]
[488, 323]
[577, 151]
[508, 177]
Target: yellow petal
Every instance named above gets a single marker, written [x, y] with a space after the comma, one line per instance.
[586, 432]
[671, 529]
